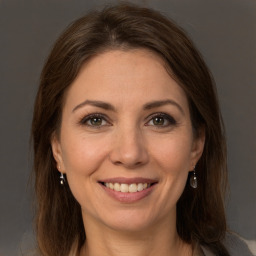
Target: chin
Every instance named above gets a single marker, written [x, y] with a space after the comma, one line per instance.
[129, 221]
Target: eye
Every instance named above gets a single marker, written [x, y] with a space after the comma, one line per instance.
[94, 120]
[161, 120]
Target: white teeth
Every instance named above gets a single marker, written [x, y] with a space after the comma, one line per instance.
[111, 185]
[124, 188]
[131, 188]
[117, 187]
[140, 187]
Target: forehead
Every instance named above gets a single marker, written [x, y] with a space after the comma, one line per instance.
[137, 75]
[135, 63]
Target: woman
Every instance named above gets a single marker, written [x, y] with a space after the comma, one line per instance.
[130, 154]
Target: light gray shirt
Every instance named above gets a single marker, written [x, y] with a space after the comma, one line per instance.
[235, 246]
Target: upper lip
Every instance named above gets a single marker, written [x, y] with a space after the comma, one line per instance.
[123, 180]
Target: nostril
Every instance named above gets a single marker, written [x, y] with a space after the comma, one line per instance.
[126, 163]
[118, 162]
[138, 163]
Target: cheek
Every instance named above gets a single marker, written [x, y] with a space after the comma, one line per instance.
[82, 155]
[173, 158]
[174, 154]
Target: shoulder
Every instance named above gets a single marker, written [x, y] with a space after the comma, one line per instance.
[235, 245]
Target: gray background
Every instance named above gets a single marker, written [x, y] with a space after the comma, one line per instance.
[225, 33]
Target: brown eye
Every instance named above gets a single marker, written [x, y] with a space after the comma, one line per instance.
[158, 121]
[95, 121]
[161, 120]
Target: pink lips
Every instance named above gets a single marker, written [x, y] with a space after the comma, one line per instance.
[128, 197]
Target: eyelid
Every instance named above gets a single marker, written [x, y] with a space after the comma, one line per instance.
[84, 119]
[170, 119]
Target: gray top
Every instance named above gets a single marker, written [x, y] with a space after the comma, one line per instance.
[235, 245]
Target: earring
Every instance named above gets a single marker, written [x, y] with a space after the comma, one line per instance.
[193, 179]
[62, 179]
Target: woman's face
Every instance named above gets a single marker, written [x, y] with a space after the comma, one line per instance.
[126, 126]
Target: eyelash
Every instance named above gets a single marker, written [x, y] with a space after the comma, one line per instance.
[171, 121]
[89, 117]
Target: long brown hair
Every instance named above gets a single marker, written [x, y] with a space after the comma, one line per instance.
[200, 212]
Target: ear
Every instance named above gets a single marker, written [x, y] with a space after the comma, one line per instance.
[57, 153]
[197, 147]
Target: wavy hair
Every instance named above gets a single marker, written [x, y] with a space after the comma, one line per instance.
[200, 212]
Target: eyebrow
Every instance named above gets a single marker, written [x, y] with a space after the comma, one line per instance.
[156, 104]
[96, 103]
[147, 106]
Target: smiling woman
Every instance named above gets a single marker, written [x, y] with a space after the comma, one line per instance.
[130, 155]
[138, 139]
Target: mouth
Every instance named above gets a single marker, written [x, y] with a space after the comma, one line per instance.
[128, 190]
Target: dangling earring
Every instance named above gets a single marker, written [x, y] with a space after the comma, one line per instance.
[62, 179]
[193, 179]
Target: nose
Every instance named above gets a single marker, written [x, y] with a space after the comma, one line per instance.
[129, 149]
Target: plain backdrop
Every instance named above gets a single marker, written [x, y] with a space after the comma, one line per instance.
[223, 30]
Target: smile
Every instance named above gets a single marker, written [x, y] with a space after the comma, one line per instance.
[127, 188]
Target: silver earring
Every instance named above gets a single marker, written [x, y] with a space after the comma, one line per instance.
[62, 179]
[193, 179]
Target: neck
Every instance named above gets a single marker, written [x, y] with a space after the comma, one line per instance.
[161, 239]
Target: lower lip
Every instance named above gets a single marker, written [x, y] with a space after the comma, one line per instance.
[128, 197]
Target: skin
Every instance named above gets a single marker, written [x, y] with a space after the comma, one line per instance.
[127, 142]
